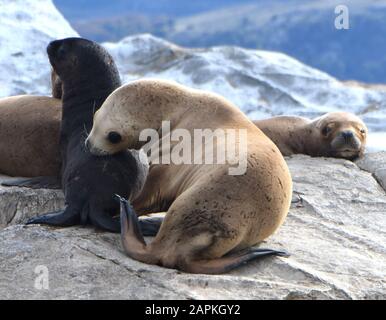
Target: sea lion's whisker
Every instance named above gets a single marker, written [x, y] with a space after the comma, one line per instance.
[85, 130]
[93, 108]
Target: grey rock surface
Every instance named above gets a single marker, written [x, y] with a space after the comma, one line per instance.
[375, 163]
[335, 232]
[19, 204]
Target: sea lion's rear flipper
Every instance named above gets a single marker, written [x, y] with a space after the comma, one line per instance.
[131, 236]
[42, 182]
[136, 248]
[147, 227]
[229, 262]
[64, 218]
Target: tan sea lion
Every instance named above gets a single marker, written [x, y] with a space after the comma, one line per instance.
[29, 138]
[335, 134]
[213, 217]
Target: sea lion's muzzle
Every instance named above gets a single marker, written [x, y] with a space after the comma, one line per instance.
[346, 145]
[346, 140]
[93, 149]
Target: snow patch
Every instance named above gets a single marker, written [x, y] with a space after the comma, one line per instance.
[26, 27]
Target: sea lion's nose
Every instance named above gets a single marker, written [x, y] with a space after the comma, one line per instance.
[347, 135]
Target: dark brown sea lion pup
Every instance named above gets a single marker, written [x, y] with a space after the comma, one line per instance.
[89, 75]
[335, 134]
[213, 218]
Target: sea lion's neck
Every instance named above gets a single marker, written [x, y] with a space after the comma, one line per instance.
[78, 95]
[298, 136]
[80, 102]
[310, 140]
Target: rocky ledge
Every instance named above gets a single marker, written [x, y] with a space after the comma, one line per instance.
[335, 232]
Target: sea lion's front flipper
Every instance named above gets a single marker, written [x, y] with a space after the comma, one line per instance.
[101, 219]
[231, 261]
[42, 182]
[150, 226]
[70, 216]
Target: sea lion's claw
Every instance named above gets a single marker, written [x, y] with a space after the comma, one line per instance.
[144, 227]
[283, 254]
[119, 198]
[42, 182]
[34, 220]
[64, 218]
[267, 252]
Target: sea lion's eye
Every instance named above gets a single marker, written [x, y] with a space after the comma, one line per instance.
[114, 137]
[363, 131]
[326, 130]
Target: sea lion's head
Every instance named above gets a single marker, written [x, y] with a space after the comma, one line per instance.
[112, 125]
[79, 61]
[121, 121]
[343, 135]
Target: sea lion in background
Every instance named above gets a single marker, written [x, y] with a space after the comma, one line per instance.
[29, 136]
[213, 218]
[335, 134]
[88, 76]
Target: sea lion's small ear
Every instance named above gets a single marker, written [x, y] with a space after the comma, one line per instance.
[56, 85]
[57, 90]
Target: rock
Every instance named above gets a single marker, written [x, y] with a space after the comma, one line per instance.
[335, 232]
[17, 205]
[375, 163]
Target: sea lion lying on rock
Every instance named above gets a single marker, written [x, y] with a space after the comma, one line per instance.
[29, 138]
[335, 134]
